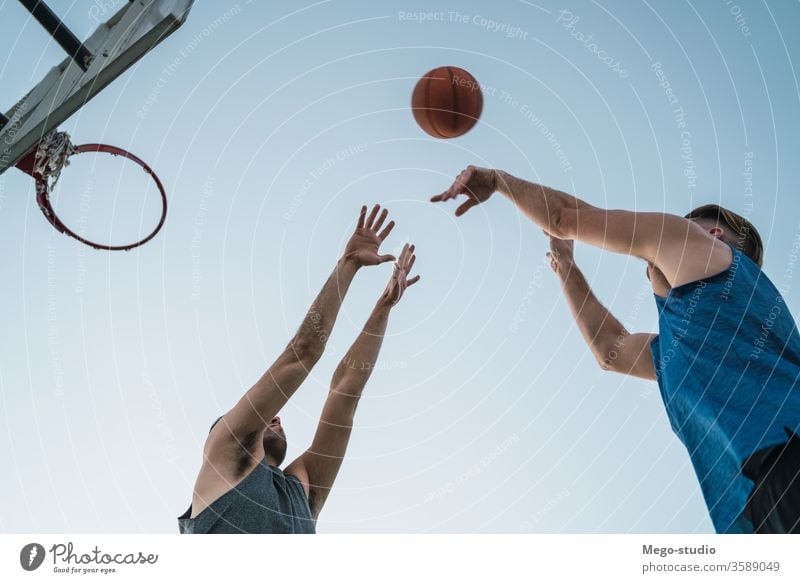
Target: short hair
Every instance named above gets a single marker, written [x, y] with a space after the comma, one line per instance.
[748, 241]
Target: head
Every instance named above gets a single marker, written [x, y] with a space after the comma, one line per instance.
[731, 228]
[273, 438]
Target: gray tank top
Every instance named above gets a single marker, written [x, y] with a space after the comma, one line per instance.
[266, 501]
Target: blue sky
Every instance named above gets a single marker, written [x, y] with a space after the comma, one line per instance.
[270, 126]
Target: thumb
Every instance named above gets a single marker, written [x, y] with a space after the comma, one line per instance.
[468, 204]
[385, 258]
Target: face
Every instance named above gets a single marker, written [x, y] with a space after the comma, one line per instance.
[275, 441]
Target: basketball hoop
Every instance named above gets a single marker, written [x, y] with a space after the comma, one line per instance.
[51, 156]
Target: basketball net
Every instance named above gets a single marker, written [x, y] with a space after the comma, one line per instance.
[52, 156]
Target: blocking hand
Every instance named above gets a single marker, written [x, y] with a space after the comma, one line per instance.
[399, 281]
[362, 248]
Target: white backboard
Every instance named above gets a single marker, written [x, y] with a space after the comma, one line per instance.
[116, 44]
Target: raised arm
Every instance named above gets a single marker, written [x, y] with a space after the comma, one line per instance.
[253, 412]
[611, 344]
[318, 466]
[661, 239]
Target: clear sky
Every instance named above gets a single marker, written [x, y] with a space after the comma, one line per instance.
[270, 124]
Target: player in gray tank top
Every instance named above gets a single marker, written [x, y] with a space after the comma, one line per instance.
[240, 487]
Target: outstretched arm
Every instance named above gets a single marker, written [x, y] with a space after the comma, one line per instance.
[269, 394]
[318, 466]
[682, 250]
[612, 345]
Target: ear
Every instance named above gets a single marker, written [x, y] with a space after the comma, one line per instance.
[716, 232]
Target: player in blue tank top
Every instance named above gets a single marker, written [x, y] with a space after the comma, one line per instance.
[727, 356]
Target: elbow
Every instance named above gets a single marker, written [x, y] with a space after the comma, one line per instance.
[606, 363]
[563, 223]
[608, 358]
[307, 351]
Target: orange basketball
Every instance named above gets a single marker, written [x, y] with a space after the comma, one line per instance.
[447, 102]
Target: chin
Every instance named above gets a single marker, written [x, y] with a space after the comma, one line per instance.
[275, 446]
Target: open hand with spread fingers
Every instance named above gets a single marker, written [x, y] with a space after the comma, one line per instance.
[478, 184]
[400, 280]
[362, 248]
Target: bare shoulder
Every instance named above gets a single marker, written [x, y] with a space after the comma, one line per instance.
[298, 469]
[226, 462]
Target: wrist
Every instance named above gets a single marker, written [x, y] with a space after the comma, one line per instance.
[384, 303]
[566, 269]
[349, 263]
[502, 182]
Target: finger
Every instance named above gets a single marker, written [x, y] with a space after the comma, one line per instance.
[381, 218]
[386, 231]
[466, 206]
[410, 264]
[410, 256]
[361, 217]
[464, 179]
[403, 255]
[385, 258]
[452, 192]
[460, 185]
[371, 216]
[412, 281]
[409, 251]
[448, 194]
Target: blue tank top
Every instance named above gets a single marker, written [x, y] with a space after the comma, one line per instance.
[266, 501]
[727, 361]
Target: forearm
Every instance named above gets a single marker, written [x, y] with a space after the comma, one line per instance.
[323, 459]
[321, 462]
[599, 328]
[318, 322]
[541, 204]
[279, 383]
[356, 366]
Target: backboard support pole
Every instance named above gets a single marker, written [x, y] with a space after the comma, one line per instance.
[59, 31]
[128, 34]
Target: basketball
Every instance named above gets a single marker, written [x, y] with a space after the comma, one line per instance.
[447, 102]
